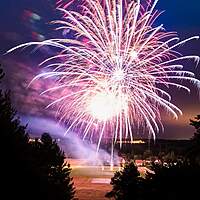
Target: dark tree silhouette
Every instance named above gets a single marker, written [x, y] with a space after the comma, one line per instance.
[174, 182]
[196, 124]
[127, 184]
[50, 160]
[15, 173]
[193, 152]
[30, 170]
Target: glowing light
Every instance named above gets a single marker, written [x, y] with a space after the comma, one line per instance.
[118, 75]
[105, 106]
[132, 142]
[115, 68]
[133, 54]
[111, 167]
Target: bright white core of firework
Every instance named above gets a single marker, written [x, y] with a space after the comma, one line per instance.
[118, 75]
[134, 54]
[104, 106]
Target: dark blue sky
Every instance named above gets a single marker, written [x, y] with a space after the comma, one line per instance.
[27, 20]
[180, 15]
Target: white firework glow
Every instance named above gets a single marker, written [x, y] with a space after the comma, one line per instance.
[105, 106]
[113, 72]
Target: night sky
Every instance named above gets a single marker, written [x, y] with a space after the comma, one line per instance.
[28, 20]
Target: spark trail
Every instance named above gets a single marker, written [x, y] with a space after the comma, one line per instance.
[112, 74]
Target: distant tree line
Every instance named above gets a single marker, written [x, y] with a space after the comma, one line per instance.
[178, 180]
[30, 170]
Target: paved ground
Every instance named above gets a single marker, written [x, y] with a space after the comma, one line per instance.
[91, 182]
[86, 190]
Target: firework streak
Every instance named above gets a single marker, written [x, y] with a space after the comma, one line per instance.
[112, 75]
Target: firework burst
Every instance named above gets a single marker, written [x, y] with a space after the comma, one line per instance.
[112, 73]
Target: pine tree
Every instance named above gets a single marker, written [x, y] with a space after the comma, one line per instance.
[173, 182]
[193, 153]
[16, 172]
[30, 170]
[50, 160]
[127, 184]
[196, 124]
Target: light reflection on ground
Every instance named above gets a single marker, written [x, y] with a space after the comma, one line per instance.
[93, 182]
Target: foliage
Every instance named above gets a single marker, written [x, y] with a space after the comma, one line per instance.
[34, 170]
[175, 182]
[196, 124]
[16, 173]
[127, 184]
[193, 153]
[50, 160]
